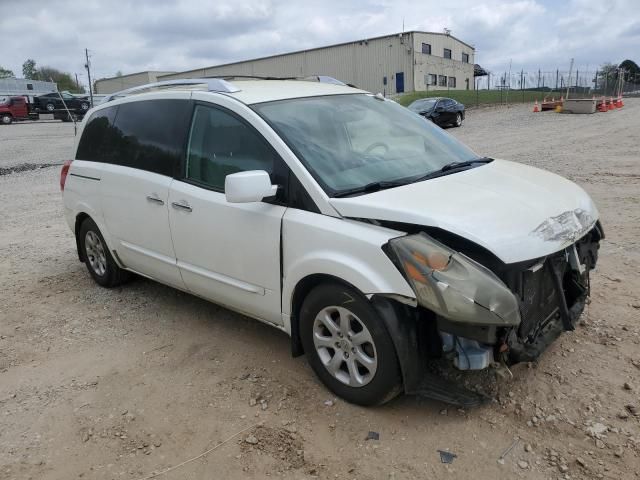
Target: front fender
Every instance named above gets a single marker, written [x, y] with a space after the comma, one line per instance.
[315, 244]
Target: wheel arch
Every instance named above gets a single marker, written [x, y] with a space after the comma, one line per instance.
[408, 327]
[80, 218]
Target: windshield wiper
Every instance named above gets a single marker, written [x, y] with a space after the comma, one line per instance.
[453, 167]
[467, 163]
[369, 188]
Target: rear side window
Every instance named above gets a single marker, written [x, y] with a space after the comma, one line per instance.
[150, 134]
[94, 145]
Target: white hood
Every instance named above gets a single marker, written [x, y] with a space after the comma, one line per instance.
[515, 211]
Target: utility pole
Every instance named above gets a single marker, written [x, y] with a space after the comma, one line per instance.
[77, 83]
[88, 67]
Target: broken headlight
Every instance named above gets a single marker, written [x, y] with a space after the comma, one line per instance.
[453, 285]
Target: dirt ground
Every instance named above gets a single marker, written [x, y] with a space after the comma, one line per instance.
[111, 384]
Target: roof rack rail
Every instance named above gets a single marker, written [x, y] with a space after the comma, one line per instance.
[212, 84]
[310, 78]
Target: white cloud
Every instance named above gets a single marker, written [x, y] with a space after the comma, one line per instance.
[177, 35]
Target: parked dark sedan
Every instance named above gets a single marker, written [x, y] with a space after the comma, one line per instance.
[441, 111]
[51, 102]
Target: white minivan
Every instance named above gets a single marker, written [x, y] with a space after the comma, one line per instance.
[373, 238]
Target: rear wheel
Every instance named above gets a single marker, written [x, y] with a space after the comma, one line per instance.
[97, 257]
[348, 346]
[6, 119]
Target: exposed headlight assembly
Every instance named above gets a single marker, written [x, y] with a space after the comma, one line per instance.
[453, 285]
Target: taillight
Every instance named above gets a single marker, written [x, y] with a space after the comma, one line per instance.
[63, 173]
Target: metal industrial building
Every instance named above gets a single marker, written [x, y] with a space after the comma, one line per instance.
[122, 82]
[402, 62]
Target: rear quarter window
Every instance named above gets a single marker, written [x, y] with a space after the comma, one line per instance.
[94, 145]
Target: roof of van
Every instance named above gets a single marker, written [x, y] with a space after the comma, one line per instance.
[258, 91]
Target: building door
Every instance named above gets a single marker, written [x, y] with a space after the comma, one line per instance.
[467, 83]
[399, 82]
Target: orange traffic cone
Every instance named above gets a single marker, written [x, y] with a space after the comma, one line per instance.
[620, 103]
[611, 105]
[535, 107]
[602, 107]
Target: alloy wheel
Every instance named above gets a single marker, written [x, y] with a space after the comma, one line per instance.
[95, 253]
[345, 346]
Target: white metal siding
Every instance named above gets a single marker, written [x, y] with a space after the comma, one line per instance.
[437, 64]
[363, 64]
[115, 84]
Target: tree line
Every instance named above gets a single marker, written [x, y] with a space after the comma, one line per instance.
[31, 71]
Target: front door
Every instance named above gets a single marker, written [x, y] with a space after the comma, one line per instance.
[399, 82]
[228, 253]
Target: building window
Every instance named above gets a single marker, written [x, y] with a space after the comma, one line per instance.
[426, 48]
[465, 58]
[442, 80]
[447, 53]
[430, 79]
[452, 82]
[29, 86]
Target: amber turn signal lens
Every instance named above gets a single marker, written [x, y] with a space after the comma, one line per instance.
[414, 273]
[435, 261]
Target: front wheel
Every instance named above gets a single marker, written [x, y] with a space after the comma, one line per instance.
[458, 119]
[97, 257]
[348, 346]
[6, 119]
[50, 107]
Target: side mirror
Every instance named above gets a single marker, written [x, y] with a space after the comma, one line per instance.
[247, 187]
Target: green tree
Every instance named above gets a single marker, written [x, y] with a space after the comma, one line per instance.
[29, 69]
[631, 70]
[63, 79]
[5, 73]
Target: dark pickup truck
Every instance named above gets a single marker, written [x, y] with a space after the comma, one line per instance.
[50, 102]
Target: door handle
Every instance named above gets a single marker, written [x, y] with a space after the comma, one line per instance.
[155, 199]
[182, 206]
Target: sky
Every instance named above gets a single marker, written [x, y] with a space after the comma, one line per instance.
[175, 35]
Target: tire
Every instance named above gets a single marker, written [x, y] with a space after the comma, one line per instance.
[340, 332]
[97, 257]
[50, 107]
[6, 119]
[84, 106]
[458, 119]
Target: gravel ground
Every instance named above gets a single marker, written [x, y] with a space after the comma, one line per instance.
[112, 384]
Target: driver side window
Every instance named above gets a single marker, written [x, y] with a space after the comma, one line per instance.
[221, 144]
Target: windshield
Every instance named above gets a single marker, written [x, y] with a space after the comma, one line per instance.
[422, 105]
[350, 141]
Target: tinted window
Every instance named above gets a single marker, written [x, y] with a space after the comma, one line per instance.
[150, 134]
[94, 145]
[221, 144]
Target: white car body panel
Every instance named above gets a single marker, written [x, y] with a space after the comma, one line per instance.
[259, 91]
[346, 249]
[515, 211]
[228, 253]
[138, 226]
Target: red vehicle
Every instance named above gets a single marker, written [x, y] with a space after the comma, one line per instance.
[13, 108]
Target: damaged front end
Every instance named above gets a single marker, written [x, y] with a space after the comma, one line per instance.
[490, 311]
